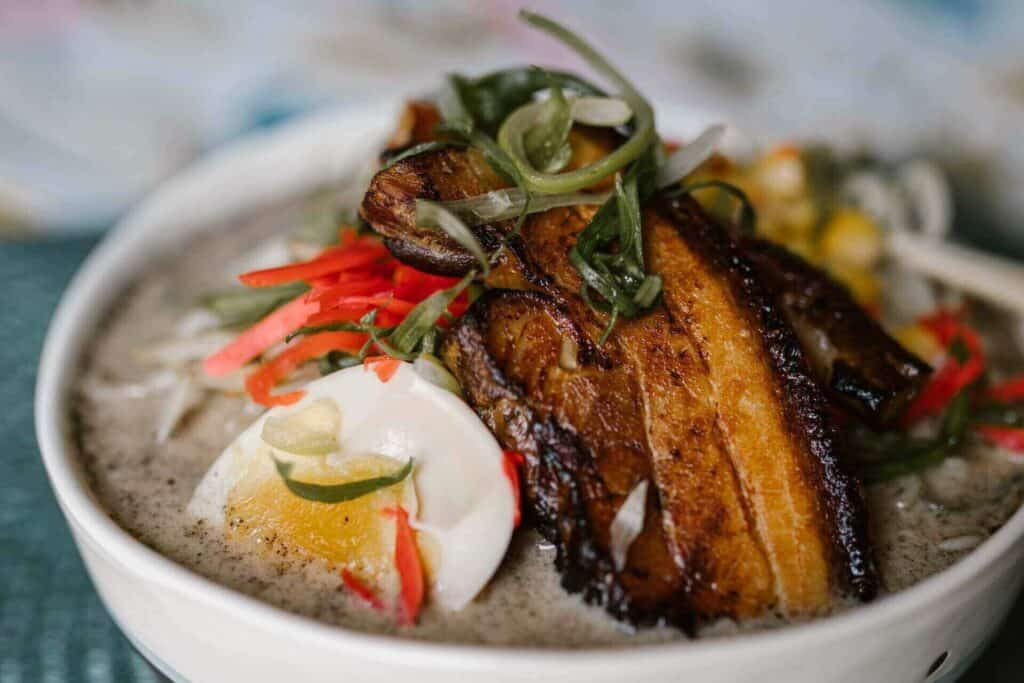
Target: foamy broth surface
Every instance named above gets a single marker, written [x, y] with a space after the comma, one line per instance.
[921, 524]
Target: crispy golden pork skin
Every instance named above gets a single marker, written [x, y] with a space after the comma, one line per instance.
[390, 207]
[866, 371]
[590, 434]
[445, 175]
[708, 397]
[773, 415]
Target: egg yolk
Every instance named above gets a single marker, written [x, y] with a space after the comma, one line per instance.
[352, 535]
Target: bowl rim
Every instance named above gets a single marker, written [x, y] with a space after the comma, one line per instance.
[87, 299]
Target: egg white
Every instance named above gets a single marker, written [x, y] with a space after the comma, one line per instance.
[460, 498]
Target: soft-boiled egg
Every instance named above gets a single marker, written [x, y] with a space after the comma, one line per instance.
[353, 425]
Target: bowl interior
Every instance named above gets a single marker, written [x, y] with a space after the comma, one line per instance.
[271, 167]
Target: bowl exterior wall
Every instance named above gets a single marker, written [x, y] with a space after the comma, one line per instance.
[202, 633]
[198, 642]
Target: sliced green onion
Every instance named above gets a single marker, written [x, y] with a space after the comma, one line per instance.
[648, 291]
[337, 360]
[603, 282]
[339, 493]
[501, 205]
[245, 306]
[611, 326]
[687, 158]
[748, 216]
[421, 319]
[310, 431]
[430, 368]
[511, 136]
[606, 112]
[495, 156]
[422, 148]
[903, 456]
[547, 141]
[340, 326]
[489, 99]
[433, 215]
[452, 106]
[460, 123]
[627, 203]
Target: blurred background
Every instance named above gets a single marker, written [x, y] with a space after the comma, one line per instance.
[101, 101]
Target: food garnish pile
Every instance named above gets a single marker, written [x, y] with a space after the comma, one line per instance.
[681, 363]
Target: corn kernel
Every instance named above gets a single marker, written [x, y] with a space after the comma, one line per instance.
[861, 282]
[782, 175]
[920, 341]
[852, 239]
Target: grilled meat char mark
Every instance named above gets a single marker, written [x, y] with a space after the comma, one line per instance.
[728, 567]
[768, 401]
[866, 371]
[583, 443]
[447, 174]
[719, 360]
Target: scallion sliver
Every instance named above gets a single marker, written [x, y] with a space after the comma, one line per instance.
[338, 493]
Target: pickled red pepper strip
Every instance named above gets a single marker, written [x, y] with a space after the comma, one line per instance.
[384, 302]
[361, 590]
[257, 339]
[384, 366]
[331, 261]
[261, 382]
[368, 286]
[1008, 391]
[511, 463]
[348, 281]
[416, 285]
[410, 569]
[956, 373]
[1010, 438]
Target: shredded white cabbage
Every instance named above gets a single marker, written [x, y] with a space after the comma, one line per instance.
[628, 523]
[176, 352]
[687, 158]
[184, 396]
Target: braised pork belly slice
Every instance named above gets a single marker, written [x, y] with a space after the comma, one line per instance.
[867, 372]
[709, 398]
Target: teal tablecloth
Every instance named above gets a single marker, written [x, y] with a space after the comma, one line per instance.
[53, 628]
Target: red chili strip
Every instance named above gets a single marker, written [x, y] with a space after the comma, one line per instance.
[386, 303]
[261, 336]
[331, 261]
[1010, 438]
[384, 366]
[361, 590]
[375, 286]
[415, 285]
[944, 324]
[410, 569]
[953, 375]
[1007, 391]
[512, 462]
[261, 382]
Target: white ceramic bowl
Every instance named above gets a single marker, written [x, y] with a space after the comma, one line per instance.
[198, 631]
